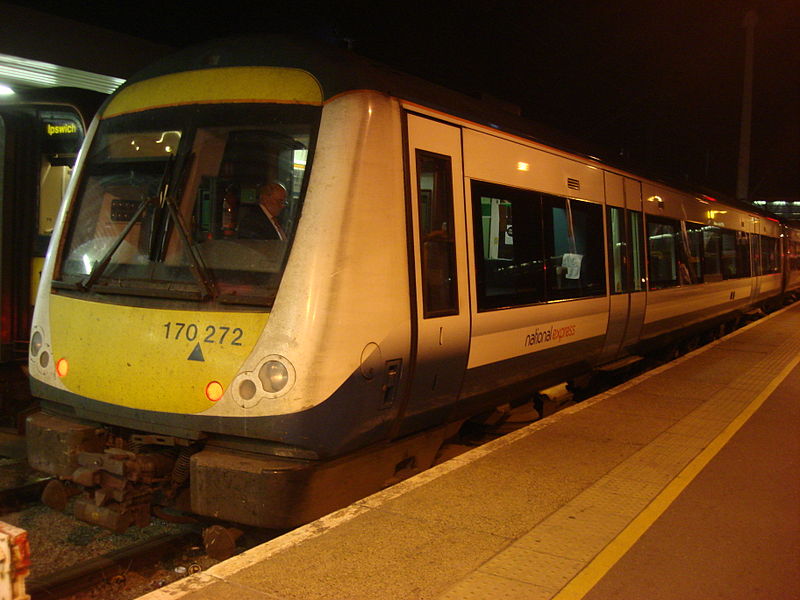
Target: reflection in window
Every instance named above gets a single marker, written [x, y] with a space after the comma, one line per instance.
[691, 253]
[437, 239]
[741, 241]
[661, 236]
[169, 189]
[770, 257]
[712, 253]
[618, 250]
[574, 251]
[510, 268]
[553, 251]
[626, 253]
[730, 266]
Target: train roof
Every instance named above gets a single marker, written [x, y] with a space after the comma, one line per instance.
[339, 71]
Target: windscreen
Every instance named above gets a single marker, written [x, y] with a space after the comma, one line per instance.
[195, 201]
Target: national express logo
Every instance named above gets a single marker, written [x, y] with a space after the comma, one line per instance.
[553, 334]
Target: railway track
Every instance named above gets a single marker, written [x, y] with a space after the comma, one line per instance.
[111, 574]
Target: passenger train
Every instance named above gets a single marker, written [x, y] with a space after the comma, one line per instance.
[435, 259]
[41, 131]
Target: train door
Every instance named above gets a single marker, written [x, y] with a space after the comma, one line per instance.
[627, 279]
[438, 246]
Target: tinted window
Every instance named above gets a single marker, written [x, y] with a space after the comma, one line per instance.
[532, 247]
[662, 252]
[691, 253]
[770, 257]
[508, 246]
[437, 242]
[617, 250]
[574, 261]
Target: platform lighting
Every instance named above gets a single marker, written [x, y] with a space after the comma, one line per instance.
[6, 91]
[42, 74]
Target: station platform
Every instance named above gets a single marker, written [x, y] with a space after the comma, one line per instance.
[681, 483]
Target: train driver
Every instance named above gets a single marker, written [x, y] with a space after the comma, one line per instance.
[260, 221]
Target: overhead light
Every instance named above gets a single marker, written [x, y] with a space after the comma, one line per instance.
[6, 91]
[42, 74]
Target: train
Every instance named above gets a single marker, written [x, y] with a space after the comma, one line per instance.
[425, 257]
[41, 131]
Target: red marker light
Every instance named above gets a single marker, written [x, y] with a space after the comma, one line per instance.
[214, 391]
[62, 367]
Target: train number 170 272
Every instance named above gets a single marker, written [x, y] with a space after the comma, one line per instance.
[210, 334]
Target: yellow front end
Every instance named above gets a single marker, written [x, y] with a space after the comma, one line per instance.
[152, 359]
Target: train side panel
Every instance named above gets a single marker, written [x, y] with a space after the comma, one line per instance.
[521, 343]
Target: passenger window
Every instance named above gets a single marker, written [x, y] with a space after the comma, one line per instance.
[756, 248]
[730, 267]
[661, 236]
[742, 254]
[574, 265]
[508, 246]
[769, 255]
[437, 239]
[711, 253]
[691, 254]
[532, 247]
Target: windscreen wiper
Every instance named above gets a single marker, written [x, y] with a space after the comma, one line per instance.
[101, 266]
[197, 266]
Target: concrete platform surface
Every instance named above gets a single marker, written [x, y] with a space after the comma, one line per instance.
[682, 483]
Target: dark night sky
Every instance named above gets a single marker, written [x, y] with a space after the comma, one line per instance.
[658, 82]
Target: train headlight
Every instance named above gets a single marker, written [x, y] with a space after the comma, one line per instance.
[274, 376]
[36, 343]
[247, 389]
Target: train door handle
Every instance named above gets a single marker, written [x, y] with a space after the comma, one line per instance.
[390, 380]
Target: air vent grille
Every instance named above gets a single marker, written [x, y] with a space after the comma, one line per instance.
[573, 184]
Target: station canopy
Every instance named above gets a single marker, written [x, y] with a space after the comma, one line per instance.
[18, 73]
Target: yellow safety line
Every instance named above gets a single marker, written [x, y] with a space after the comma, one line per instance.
[584, 581]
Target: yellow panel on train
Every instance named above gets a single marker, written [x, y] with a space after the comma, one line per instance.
[160, 360]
